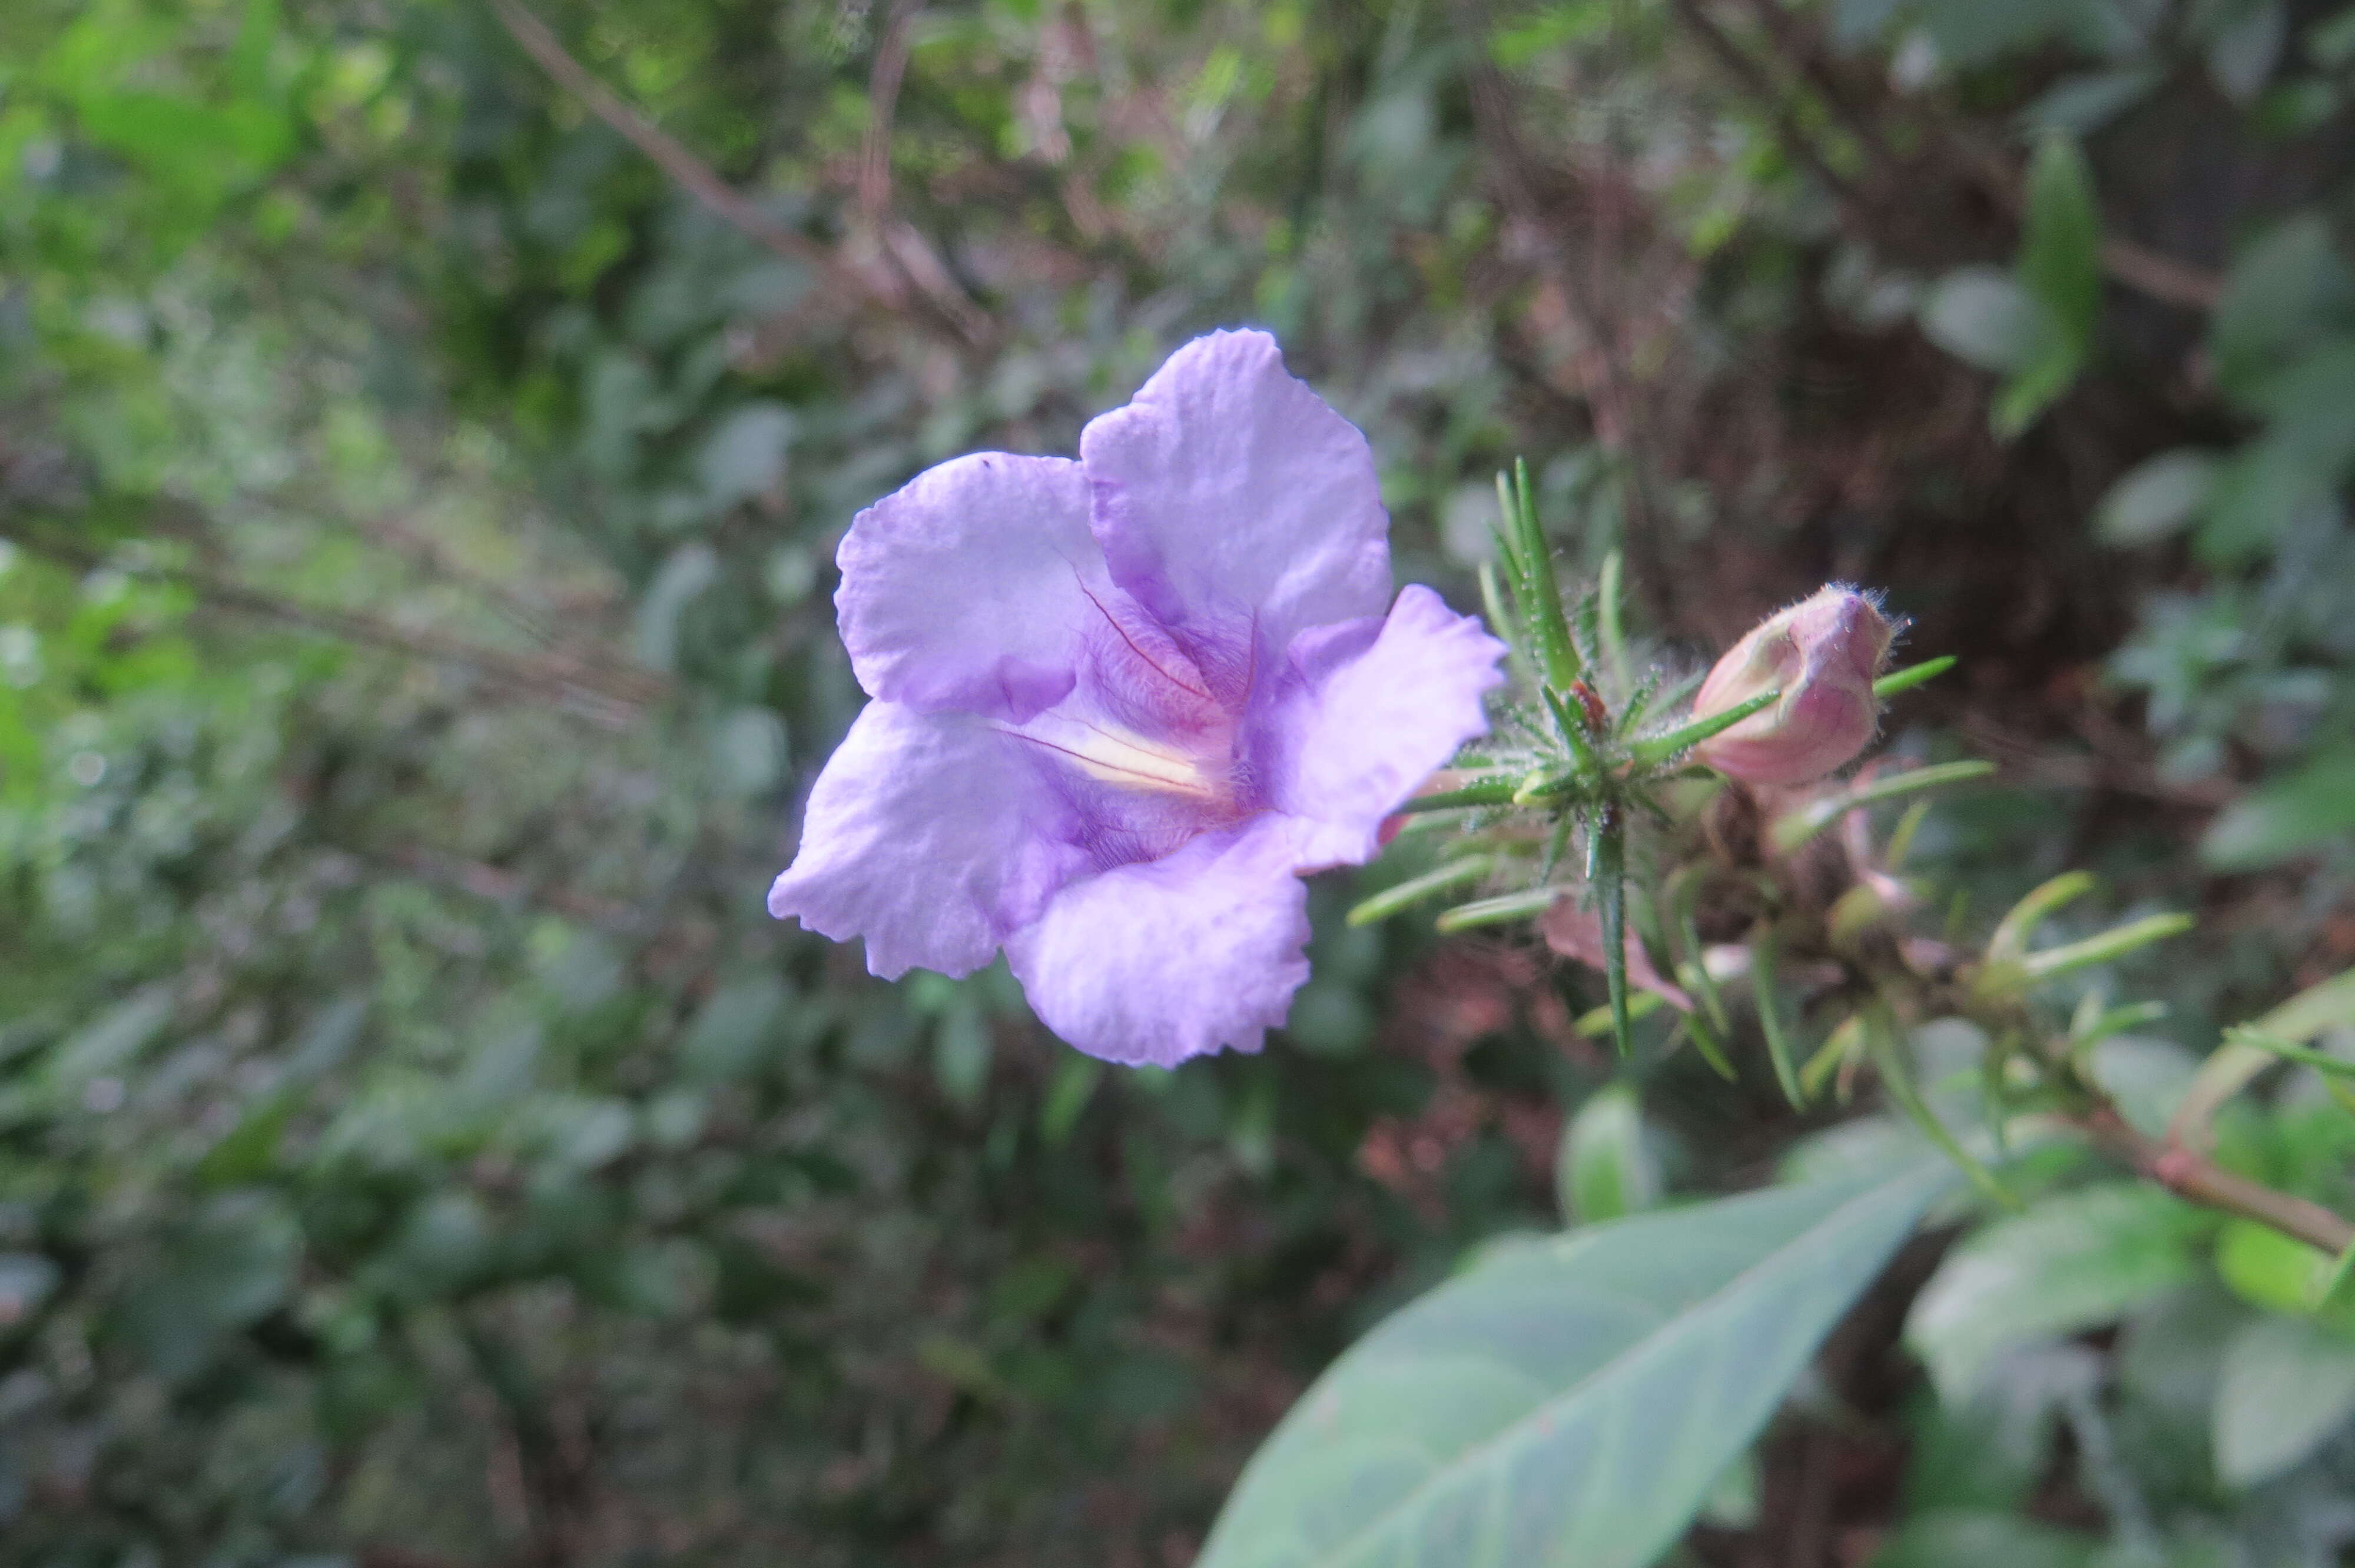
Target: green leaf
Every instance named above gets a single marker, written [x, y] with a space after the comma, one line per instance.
[2287, 815]
[2268, 1270]
[2287, 1384]
[2327, 1004]
[2243, 53]
[2083, 105]
[1791, 831]
[2157, 498]
[745, 456]
[1571, 1402]
[1983, 317]
[2330, 43]
[2010, 942]
[1074, 1085]
[732, 1035]
[26, 1278]
[1972, 32]
[1415, 890]
[2060, 240]
[1605, 1169]
[1910, 676]
[234, 1262]
[1972, 1538]
[1501, 910]
[2071, 1263]
[2282, 290]
[1660, 747]
[1770, 1022]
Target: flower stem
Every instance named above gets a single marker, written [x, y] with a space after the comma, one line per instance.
[1611, 902]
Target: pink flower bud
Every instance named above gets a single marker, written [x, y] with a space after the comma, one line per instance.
[1823, 653]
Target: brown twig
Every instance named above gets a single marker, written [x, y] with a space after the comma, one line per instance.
[2138, 267]
[2161, 277]
[609, 695]
[1782, 28]
[898, 241]
[1769, 94]
[690, 173]
[2195, 1177]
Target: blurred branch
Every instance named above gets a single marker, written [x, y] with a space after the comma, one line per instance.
[901, 243]
[691, 173]
[2161, 277]
[909, 251]
[883, 80]
[611, 696]
[500, 885]
[2192, 1176]
[2137, 266]
[1761, 85]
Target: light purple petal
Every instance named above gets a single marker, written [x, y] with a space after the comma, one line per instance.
[1367, 711]
[972, 585]
[1229, 496]
[930, 835]
[1173, 957]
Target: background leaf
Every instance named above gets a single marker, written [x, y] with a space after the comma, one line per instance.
[1606, 1168]
[1569, 1402]
[2288, 1385]
[2073, 1262]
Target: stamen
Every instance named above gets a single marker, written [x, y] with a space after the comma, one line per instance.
[1118, 757]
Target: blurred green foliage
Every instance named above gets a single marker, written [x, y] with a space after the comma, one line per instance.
[416, 509]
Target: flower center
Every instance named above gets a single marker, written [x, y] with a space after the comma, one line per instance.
[1125, 760]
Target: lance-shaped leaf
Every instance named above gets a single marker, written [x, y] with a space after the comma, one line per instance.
[2329, 1005]
[1415, 890]
[1659, 749]
[1910, 676]
[1501, 910]
[1570, 1403]
[1537, 590]
[1490, 792]
[1796, 828]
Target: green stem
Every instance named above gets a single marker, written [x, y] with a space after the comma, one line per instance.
[1573, 726]
[1611, 903]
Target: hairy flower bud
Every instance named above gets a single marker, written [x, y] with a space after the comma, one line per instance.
[1823, 653]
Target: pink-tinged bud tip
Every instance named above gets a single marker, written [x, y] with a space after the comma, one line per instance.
[1823, 653]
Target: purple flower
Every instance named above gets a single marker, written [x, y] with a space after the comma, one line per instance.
[1121, 703]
